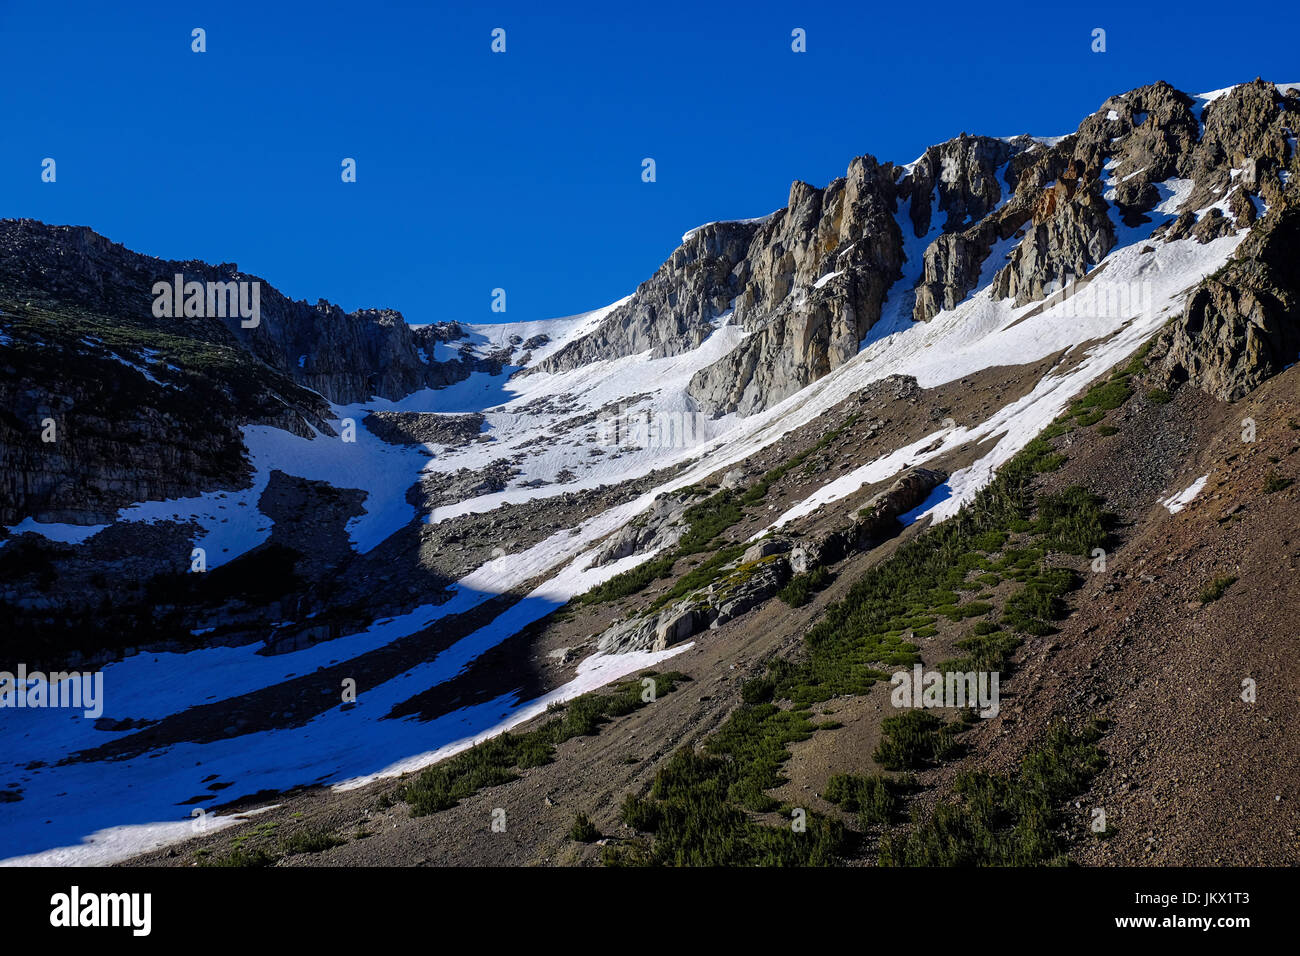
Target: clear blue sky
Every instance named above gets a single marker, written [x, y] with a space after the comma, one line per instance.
[523, 170]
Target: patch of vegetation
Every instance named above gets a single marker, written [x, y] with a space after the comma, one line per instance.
[695, 824]
[1276, 482]
[1159, 396]
[629, 582]
[913, 740]
[1090, 418]
[875, 799]
[988, 649]
[1138, 363]
[1216, 589]
[1005, 819]
[1104, 397]
[698, 811]
[1072, 521]
[970, 609]
[696, 578]
[241, 857]
[707, 520]
[316, 840]
[583, 830]
[1059, 427]
[500, 759]
[802, 587]
[1105, 431]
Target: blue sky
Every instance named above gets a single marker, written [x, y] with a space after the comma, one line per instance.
[522, 170]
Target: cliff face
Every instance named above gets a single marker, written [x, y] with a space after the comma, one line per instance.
[811, 286]
[1242, 325]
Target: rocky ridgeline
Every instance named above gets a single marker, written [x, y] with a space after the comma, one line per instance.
[346, 356]
[808, 282]
[149, 408]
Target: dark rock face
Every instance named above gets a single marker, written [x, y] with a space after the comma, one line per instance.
[115, 441]
[420, 428]
[1241, 325]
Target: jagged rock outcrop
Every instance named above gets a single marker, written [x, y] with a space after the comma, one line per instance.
[738, 590]
[1246, 129]
[1241, 325]
[765, 567]
[955, 262]
[962, 176]
[1069, 233]
[807, 283]
[674, 310]
[660, 527]
[875, 521]
[814, 283]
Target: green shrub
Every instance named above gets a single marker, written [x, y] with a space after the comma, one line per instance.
[873, 798]
[309, 841]
[1276, 482]
[1005, 819]
[1090, 418]
[641, 815]
[583, 830]
[1216, 589]
[498, 760]
[241, 857]
[913, 740]
[801, 588]
[1108, 395]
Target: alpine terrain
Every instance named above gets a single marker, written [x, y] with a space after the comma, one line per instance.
[947, 515]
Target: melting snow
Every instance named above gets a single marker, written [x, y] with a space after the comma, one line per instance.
[1176, 503]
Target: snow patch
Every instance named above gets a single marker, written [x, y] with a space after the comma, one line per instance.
[1176, 503]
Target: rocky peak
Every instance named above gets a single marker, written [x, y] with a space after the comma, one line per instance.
[958, 178]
